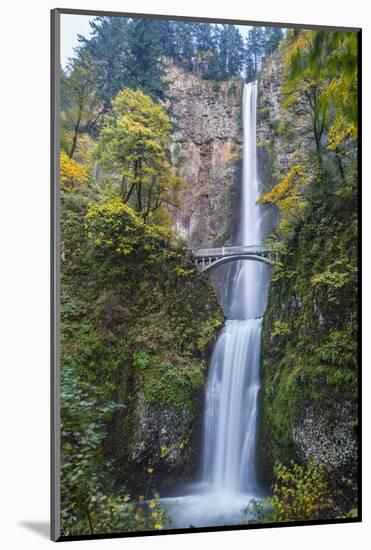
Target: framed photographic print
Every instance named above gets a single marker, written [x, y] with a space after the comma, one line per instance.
[205, 313]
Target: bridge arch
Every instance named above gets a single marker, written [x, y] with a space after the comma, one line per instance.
[207, 259]
[213, 264]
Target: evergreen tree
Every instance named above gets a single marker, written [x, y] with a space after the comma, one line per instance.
[255, 46]
[78, 100]
[184, 45]
[231, 51]
[206, 49]
[107, 47]
[167, 37]
[250, 73]
[143, 66]
[272, 37]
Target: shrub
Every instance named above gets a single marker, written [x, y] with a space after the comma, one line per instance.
[303, 493]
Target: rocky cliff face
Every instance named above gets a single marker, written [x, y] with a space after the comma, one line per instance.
[168, 439]
[207, 148]
[273, 154]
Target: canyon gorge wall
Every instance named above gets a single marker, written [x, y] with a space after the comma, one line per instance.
[207, 149]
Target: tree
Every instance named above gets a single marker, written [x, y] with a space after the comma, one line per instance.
[305, 85]
[342, 50]
[184, 45]
[320, 104]
[72, 173]
[79, 101]
[321, 88]
[119, 53]
[260, 42]
[255, 45]
[134, 143]
[144, 68]
[250, 73]
[287, 195]
[206, 49]
[167, 37]
[231, 51]
[107, 48]
[272, 38]
[214, 51]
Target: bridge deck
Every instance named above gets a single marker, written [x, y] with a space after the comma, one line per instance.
[231, 251]
[207, 259]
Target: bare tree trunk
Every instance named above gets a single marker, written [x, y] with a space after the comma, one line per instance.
[139, 197]
[129, 193]
[75, 134]
[340, 166]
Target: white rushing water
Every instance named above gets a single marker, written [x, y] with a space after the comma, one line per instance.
[231, 407]
[234, 381]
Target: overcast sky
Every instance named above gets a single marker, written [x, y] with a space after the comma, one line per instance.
[72, 25]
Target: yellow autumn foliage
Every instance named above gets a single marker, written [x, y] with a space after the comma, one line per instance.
[71, 172]
[287, 195]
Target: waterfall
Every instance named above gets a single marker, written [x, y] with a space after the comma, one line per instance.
[231, 408]
[232, 394]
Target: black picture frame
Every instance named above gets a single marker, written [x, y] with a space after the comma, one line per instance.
[55, 272]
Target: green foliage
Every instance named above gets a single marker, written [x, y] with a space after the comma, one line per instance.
[134, 143]
[119, 53]
[303, 493]
[280, 329]
[263, 113]
[213, 51]
[260, 42]
[114, 227]
[231, 49]
[144, 68]
[84, 414]
[288, 196]
[254, 52]
[78, 101]
[207, 333]
[126, 287]
[337, 275]
[272, 39]
[300, 493]
[321, 86]
[169, 384]
[124, 53]
[310, 326]
[106, 47]
[218, 52]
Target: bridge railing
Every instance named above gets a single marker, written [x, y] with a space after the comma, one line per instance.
[231, 251]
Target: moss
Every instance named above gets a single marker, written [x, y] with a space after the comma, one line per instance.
[263, 113]
[309, 333]
[167, 383]
[131, 292]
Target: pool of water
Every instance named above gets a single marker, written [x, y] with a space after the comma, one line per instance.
[207, 509]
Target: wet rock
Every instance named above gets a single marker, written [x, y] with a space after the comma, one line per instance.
[326, 434]
[206, 148]
[165, 439]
